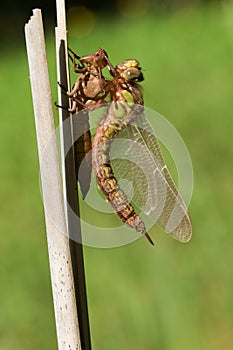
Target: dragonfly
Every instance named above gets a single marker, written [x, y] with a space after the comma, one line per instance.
[125, 120]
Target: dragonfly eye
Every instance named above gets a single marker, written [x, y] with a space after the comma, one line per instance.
[130, 71]
[133, 74]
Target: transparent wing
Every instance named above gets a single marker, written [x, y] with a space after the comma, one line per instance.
[139, 166]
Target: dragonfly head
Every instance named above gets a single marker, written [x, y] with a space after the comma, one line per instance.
[130, 71]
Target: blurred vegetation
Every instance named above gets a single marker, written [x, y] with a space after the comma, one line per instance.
[13, 13]
[170, 297]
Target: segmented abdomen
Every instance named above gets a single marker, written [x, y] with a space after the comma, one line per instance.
[106, 131]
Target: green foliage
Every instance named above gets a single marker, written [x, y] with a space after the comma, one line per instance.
[170, 297]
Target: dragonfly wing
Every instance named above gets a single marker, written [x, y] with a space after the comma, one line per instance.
[127, 169]
[150, 185]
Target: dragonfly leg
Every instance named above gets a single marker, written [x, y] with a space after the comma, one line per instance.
[76, 105]
[63, 88]
[75, 88]
[78, 67]
[59, 106]
[73, 53]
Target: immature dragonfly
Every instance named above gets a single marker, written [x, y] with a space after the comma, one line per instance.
[87, 92]
[125, 119]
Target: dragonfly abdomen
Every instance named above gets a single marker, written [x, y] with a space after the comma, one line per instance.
[106, 179]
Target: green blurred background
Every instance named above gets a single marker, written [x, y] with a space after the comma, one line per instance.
[170, 297]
